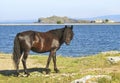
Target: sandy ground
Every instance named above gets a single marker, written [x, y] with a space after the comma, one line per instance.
[6, 63]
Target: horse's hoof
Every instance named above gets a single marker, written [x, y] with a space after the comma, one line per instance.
[27, 74]
[48, 71]
[16, 75]
[56, 70]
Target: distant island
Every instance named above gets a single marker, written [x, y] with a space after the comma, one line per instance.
[67, 20]
[60, 20]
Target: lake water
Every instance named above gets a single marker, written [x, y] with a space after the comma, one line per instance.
[88, 39]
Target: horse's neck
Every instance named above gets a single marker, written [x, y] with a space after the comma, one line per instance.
[59, 33]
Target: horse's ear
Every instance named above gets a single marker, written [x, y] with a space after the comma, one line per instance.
[65, 26]
[71, 26]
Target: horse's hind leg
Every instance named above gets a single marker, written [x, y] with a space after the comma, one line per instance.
[17, 63]
[24, 58]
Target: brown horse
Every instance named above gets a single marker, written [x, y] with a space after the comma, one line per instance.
[40, 42]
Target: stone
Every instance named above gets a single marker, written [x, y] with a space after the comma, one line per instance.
[90, 78]
[113, 59]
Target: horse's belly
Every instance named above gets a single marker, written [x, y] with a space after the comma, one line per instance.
[40, 49]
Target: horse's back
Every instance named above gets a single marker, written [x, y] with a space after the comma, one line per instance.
[26, 33]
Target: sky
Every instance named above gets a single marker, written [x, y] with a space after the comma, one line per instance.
[34, 9]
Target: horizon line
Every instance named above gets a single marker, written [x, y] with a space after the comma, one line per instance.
[36, 24]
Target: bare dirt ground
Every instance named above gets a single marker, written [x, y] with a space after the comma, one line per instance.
[6, 63]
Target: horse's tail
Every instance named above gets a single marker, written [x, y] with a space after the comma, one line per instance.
[16, 51]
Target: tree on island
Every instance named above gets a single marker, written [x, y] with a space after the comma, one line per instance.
[59, 22]
[106, 20]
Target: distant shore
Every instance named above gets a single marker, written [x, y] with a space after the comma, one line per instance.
[26, 24]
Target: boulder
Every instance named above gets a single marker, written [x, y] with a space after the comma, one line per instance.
[113, 59]
[91, 78]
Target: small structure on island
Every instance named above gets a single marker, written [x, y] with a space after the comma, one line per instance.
[103, 21]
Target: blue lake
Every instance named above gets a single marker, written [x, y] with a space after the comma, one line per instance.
[88, 39]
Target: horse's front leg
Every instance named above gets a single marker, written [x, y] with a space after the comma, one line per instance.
[54, 61]
[24, 62]
[48, 62]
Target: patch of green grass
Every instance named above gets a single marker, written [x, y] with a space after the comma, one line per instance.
[115, 78]
[104, 80]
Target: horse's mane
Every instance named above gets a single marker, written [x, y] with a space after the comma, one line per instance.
[58, 32]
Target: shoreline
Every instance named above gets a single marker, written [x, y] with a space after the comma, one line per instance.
[40, 54]
[37, 24]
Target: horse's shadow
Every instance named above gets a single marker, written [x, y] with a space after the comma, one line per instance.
[30, 70]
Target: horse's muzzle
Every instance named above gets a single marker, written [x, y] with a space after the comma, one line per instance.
[68, 43]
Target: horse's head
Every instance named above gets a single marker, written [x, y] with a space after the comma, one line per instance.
[68, 34]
